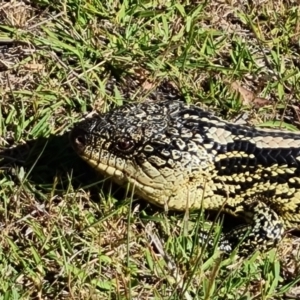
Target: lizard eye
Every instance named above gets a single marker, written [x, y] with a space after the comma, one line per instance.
[125, 144]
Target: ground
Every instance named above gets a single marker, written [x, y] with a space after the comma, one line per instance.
[67, 233]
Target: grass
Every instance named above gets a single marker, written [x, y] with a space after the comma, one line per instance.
[68, 234]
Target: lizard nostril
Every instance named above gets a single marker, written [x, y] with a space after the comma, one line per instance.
[78, 138]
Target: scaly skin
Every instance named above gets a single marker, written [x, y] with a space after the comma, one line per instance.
[180, 157]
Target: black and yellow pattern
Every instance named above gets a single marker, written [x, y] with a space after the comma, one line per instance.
[180, 157]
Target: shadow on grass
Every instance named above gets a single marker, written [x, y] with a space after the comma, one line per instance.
[45, 161]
